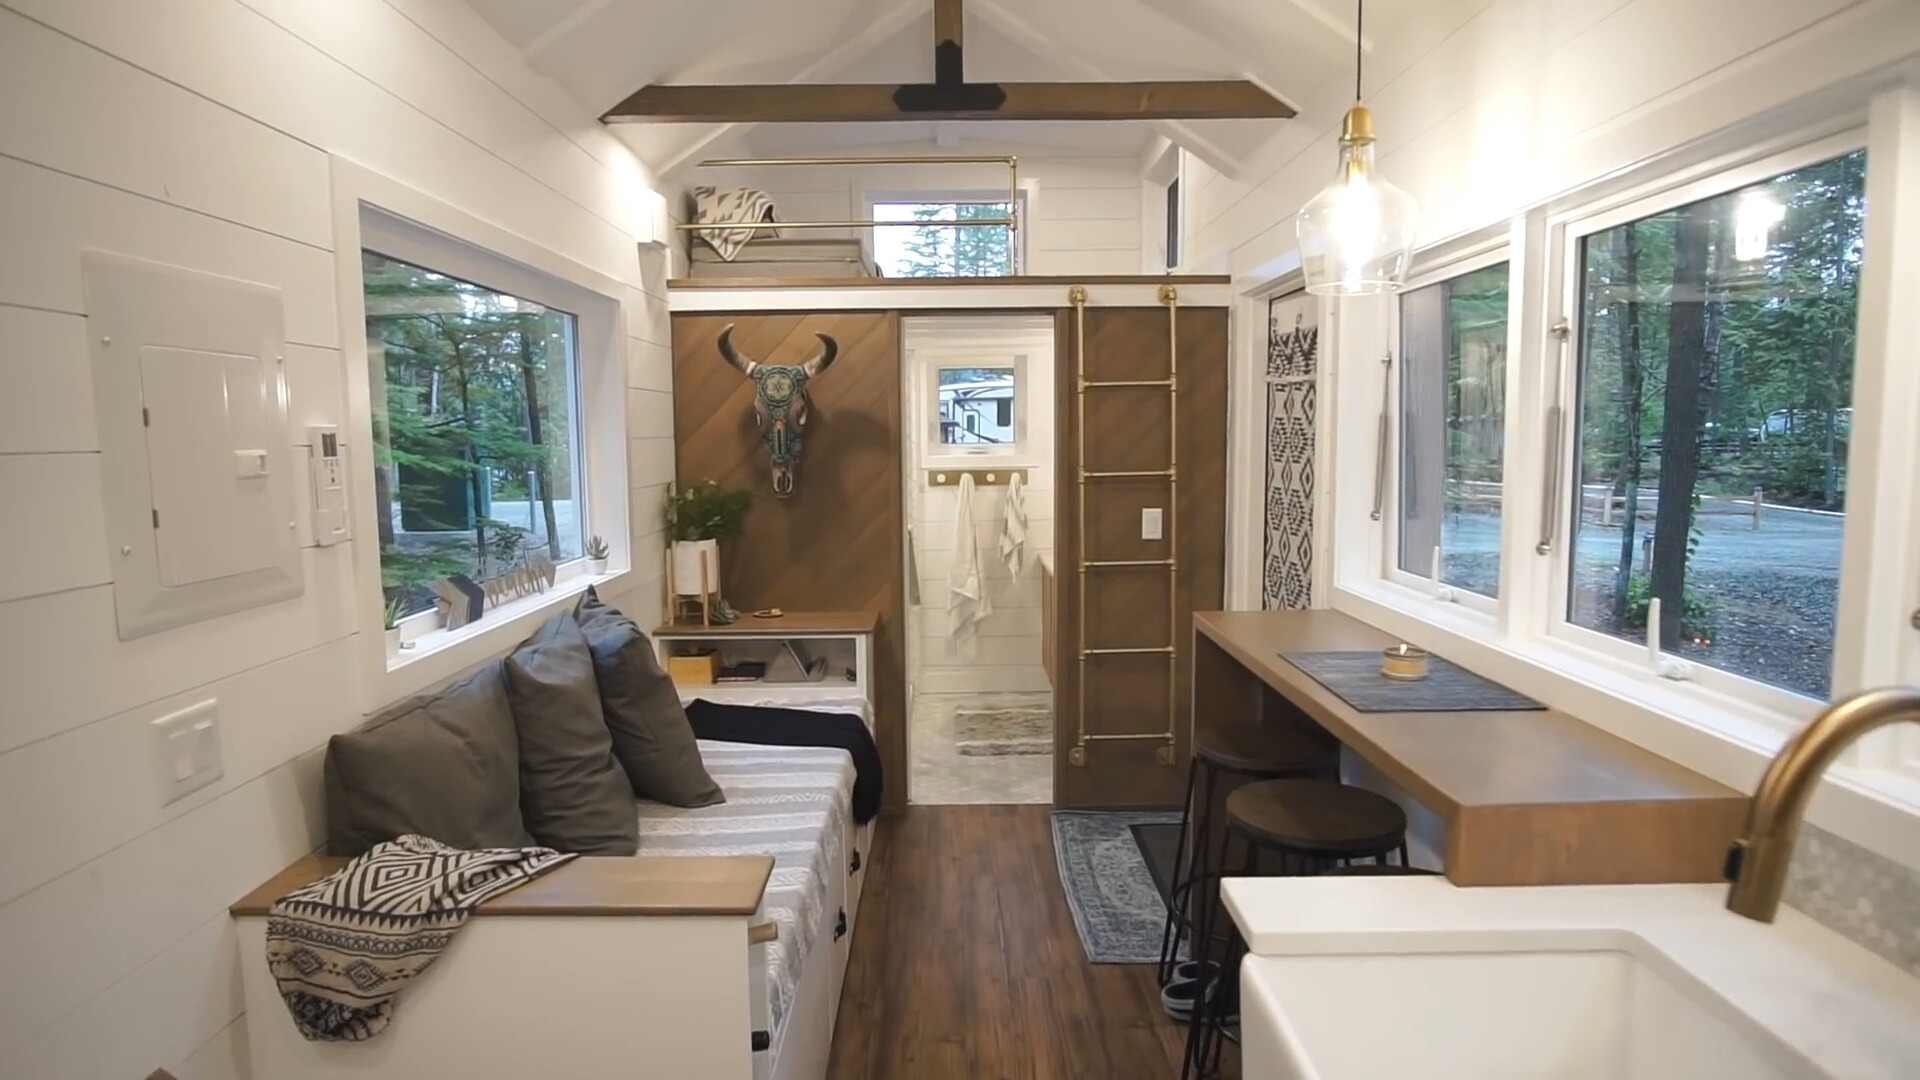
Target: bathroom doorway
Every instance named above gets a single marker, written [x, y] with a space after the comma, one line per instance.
[979, 403]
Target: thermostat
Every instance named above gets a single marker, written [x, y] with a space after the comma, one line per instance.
[327, 477]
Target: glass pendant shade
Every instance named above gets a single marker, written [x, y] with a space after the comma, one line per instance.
[1356, 236]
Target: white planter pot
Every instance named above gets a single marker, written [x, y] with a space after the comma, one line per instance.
[687, 557]
[393, 641]
[598, 566]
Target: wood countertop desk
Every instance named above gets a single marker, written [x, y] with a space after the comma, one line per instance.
[1529, 798]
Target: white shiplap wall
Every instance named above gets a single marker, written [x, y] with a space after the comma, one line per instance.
[1008, 653]
[1490, 107]
[1084, 208]
[197, 132]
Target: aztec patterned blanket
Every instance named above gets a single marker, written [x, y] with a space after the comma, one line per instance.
[343, 947]
[730, 206]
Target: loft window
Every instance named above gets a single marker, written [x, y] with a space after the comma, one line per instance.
[1716, 345]
[1453, 390]
[929, 249]
[476, 427]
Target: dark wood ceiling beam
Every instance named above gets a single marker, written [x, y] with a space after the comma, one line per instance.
[1222, 99]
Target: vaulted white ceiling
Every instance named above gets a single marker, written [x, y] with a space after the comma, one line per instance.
[602, 50]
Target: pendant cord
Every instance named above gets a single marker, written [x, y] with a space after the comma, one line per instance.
[1359, 39]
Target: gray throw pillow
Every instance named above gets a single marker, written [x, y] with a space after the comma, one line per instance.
[572, 792]
[445, 765]
[651, 736]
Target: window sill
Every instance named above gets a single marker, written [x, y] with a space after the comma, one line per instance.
[440, 654]
[1713, 734]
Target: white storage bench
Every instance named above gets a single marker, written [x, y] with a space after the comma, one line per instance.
[717, 952]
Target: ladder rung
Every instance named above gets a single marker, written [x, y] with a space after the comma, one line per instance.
[1134, 475]
[1096, 565]
[1161, 650]
[1119, 384]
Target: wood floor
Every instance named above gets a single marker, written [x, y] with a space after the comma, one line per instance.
[966, 965]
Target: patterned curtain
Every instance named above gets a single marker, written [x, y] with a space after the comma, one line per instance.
[1293, 355]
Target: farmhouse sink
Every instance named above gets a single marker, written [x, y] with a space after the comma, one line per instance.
[1621, 1013]
[1391, 978]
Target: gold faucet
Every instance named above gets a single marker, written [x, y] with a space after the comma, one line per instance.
[1757, 862]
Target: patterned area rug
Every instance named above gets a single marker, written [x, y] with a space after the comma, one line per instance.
[999, 732]
[1116, 907]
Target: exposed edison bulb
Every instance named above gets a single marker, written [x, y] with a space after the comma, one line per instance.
[1754, 217]
[1356, 236]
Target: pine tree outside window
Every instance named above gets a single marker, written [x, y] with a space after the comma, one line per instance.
[476, 428]
[931, 250]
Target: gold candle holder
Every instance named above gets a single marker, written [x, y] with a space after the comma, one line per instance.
[1403, 661]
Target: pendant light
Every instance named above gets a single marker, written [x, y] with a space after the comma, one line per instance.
[1356, 236]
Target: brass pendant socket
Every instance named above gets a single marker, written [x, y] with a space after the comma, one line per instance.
[1358, 126]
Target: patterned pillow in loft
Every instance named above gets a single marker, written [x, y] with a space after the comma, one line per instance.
[342, 948]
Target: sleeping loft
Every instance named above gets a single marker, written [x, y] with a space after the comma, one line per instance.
[952, 539]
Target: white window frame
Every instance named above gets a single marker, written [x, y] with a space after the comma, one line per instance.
[926, 365]
[1712, 723]
[1029, 198]
[1784, 708]
[1478, 253]
[373, 211]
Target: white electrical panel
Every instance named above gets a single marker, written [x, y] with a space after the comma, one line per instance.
[327, 480]
[196, 465]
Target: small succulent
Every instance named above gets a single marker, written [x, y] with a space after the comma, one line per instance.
[597, 548]
[390, 615]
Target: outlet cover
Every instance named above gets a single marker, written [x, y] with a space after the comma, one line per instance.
[186, 748]
[1150, 527]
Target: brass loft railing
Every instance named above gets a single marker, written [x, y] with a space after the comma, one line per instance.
[1011, 221]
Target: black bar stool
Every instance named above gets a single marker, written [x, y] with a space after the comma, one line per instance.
[1256, 751]
[1313, 826]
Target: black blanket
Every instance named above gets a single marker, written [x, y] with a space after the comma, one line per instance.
[769, 726]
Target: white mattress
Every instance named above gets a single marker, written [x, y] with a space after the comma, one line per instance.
[794, 803]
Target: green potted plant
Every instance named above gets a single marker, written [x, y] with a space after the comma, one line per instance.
[390, 621]
[698, 517]
[597, 554]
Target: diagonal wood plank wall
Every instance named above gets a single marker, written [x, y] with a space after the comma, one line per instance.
[1127, 607]
[837, 542]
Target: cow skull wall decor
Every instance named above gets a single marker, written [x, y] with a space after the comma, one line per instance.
[780, 402]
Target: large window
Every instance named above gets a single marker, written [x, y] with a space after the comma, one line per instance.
[1715, 346]
[476, 427]
[1453, 389]
[930, 249]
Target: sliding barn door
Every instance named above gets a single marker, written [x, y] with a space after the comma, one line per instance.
[1130, 444]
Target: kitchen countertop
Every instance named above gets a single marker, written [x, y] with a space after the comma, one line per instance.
[1848, 1011]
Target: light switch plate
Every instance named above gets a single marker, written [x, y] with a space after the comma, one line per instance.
[1150, 526]
[186, 747]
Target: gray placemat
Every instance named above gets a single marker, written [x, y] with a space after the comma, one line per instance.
[1355, 676]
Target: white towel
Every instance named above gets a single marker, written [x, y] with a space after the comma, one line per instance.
[1013, 528]
[967, 602]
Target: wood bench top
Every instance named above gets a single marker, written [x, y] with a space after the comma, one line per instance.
[639, 885]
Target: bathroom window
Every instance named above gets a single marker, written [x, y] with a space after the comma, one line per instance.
[1453, 391]
[975, 406]
[930, 249]
[1715, 345]
[475, 396]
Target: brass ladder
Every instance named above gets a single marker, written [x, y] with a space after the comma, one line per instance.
[1169, 297]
